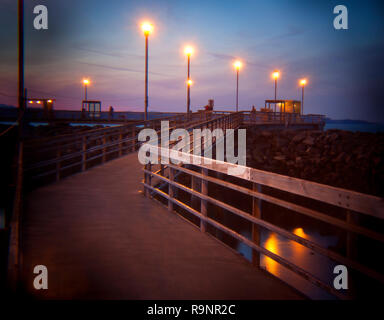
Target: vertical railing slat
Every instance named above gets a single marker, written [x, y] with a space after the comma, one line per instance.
[256, 212]
[170, 188]
[84, 154]
[204, 204]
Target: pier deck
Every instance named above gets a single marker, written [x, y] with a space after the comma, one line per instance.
[101, 238]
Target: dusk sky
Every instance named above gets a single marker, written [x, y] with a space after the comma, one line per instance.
[102, 40]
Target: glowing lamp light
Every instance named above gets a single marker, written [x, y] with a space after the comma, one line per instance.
[188, 51]
[237, 65]
[86, 82]
[276, 74]
[303, 82]
[49, 101]
[38, 102]
[31, 102]
[147, 28]
[189, 82]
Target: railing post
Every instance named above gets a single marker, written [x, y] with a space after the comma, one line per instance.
[104, 148]
[195, 201]
[58, 163]
[170, 188]
[147, 179]
[133, 147]
[204, 203]
[84, 154]
[256, 212]
[120, 144]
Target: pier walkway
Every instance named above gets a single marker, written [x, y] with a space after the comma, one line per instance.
[87, 220]
[100, 237]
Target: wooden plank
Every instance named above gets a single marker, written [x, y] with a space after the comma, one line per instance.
[256, 212]
[170, 188]
[204, 204]
[195, 201]
[347, 199]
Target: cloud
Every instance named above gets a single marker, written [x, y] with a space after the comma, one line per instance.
[121, 68]
[106, 53]
[227, 57]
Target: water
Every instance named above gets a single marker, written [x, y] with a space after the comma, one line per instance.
[74, 124]
[355, 126]
[316, 264]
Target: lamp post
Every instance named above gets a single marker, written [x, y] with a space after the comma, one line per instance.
[276, 75]
[86, 83]
[237, 66]
[147, 29]
[303, 82]
[20, 80]
[188, 51]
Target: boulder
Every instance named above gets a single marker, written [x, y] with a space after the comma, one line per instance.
[266, 133]
[299, 137]
[309, 141]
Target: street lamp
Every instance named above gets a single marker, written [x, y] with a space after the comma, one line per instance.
[237, 64]
[86, 82]
[188, 51]
[275, 75]
[303, 83]
[147, 28]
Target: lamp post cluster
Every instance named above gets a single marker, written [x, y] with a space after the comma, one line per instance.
[302, 83]
[147, 29]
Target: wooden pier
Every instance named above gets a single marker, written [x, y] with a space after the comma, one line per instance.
[101, 238]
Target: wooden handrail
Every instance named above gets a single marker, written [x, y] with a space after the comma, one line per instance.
[347, 199]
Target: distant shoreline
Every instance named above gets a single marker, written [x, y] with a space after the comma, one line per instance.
[354, 125]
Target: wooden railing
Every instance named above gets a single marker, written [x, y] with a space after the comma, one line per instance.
[52, 158]
[259, 117]
[214, 174]
[57, 157]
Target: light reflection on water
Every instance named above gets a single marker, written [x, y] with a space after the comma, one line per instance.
[314, 263]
